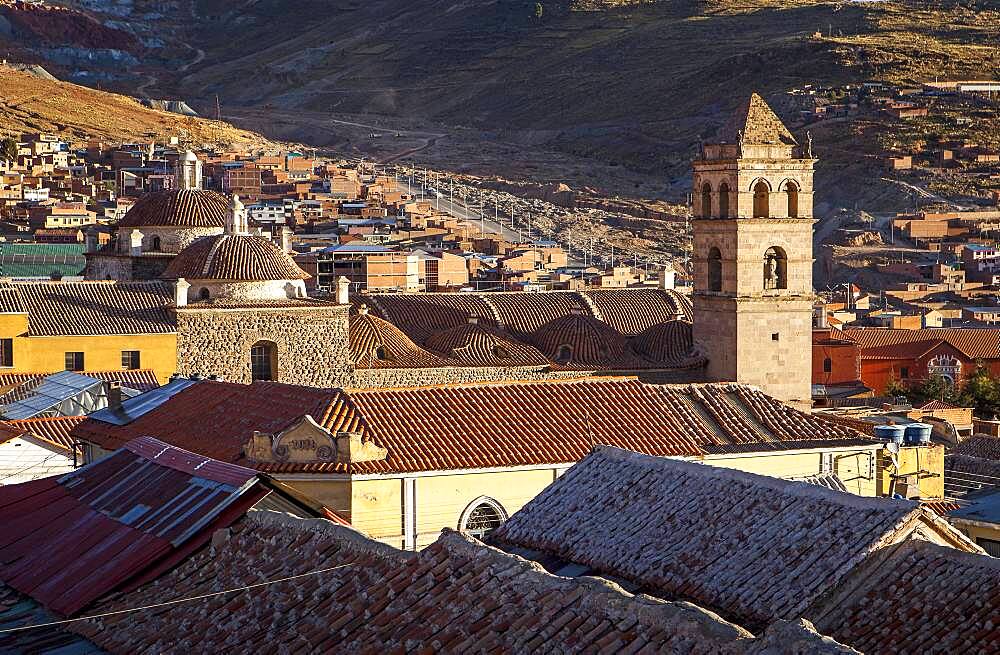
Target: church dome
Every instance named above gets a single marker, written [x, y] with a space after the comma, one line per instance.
[578, 340]
[179, 208]
[377, 343]
[474, 344]
[242, 257]
[669, 344]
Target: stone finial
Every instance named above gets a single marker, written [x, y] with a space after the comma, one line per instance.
[236, 221]
[363, 310]
[343, 290]
[136, 242]
[181, 292]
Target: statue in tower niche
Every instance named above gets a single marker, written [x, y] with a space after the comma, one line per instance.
[770, 271]
[753, 202]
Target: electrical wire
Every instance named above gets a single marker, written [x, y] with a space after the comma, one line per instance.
[30, 466]
[176, 601]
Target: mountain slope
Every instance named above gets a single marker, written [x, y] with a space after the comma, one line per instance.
[31, 104]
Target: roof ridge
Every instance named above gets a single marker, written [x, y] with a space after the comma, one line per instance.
[795, 488]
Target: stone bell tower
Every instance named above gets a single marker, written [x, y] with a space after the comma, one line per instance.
[753, 199]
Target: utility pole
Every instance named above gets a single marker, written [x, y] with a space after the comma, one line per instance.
[218, 108]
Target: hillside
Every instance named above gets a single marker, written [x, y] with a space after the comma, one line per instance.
[614, 93]
[31, 104]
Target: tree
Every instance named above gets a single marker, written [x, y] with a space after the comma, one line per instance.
[539, 10]
[8, 150]
[981, 391]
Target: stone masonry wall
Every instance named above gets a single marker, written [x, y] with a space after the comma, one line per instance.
[312, 346]
[415, 377]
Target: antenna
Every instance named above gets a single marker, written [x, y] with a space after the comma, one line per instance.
[218, 108]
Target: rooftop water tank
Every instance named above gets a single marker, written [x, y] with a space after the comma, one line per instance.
[918, 434]
[893, 433]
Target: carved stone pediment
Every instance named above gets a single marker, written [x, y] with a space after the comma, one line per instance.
[307, 442]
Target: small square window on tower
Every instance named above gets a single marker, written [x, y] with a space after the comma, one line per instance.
[774, 336]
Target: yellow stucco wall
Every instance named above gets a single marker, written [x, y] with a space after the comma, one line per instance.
[978, 530]
[376, 506]
[36, 354]
[856, 468]
[929, 459]
[441, 500]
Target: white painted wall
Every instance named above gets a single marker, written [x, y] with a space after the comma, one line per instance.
[23, 461]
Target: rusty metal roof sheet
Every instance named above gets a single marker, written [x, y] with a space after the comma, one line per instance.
[69, 540]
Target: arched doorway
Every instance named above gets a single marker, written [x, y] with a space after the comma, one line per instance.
[156, 246]
[706, 200]
[263, 360]
[723, 200]
[481, 517]
[792, 195]
[714, 270]
[775, 268]
[761, 199]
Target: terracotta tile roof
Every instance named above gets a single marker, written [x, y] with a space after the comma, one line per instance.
[584, 342]
[234, 257]
[483, 345]
[180, 208]
[975, 343]
[479, 425]
[424, 314]
[377, 343]
[858, 424]
[933, 405]
[91, 308]
[751, 547]
[523, 313]
[53, 430]
[940, 507]
[979, 445]
[755, 123]
[669, 344]
[454, 596]
[906, 350]
[918, 597]
[10, 431]
[632, 311]
[589, 322]
[967, 475]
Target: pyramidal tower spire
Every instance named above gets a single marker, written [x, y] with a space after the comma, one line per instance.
[753, 198]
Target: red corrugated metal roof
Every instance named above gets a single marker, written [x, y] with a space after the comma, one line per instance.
[69, 540]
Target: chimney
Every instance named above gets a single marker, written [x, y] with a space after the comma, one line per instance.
[343, 291]
[114, 389]
[91, 241]
[666, 278]
[286, 238]
[136, 243]
[181, 292]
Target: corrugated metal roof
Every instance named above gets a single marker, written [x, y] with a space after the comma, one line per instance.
[68, 540]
